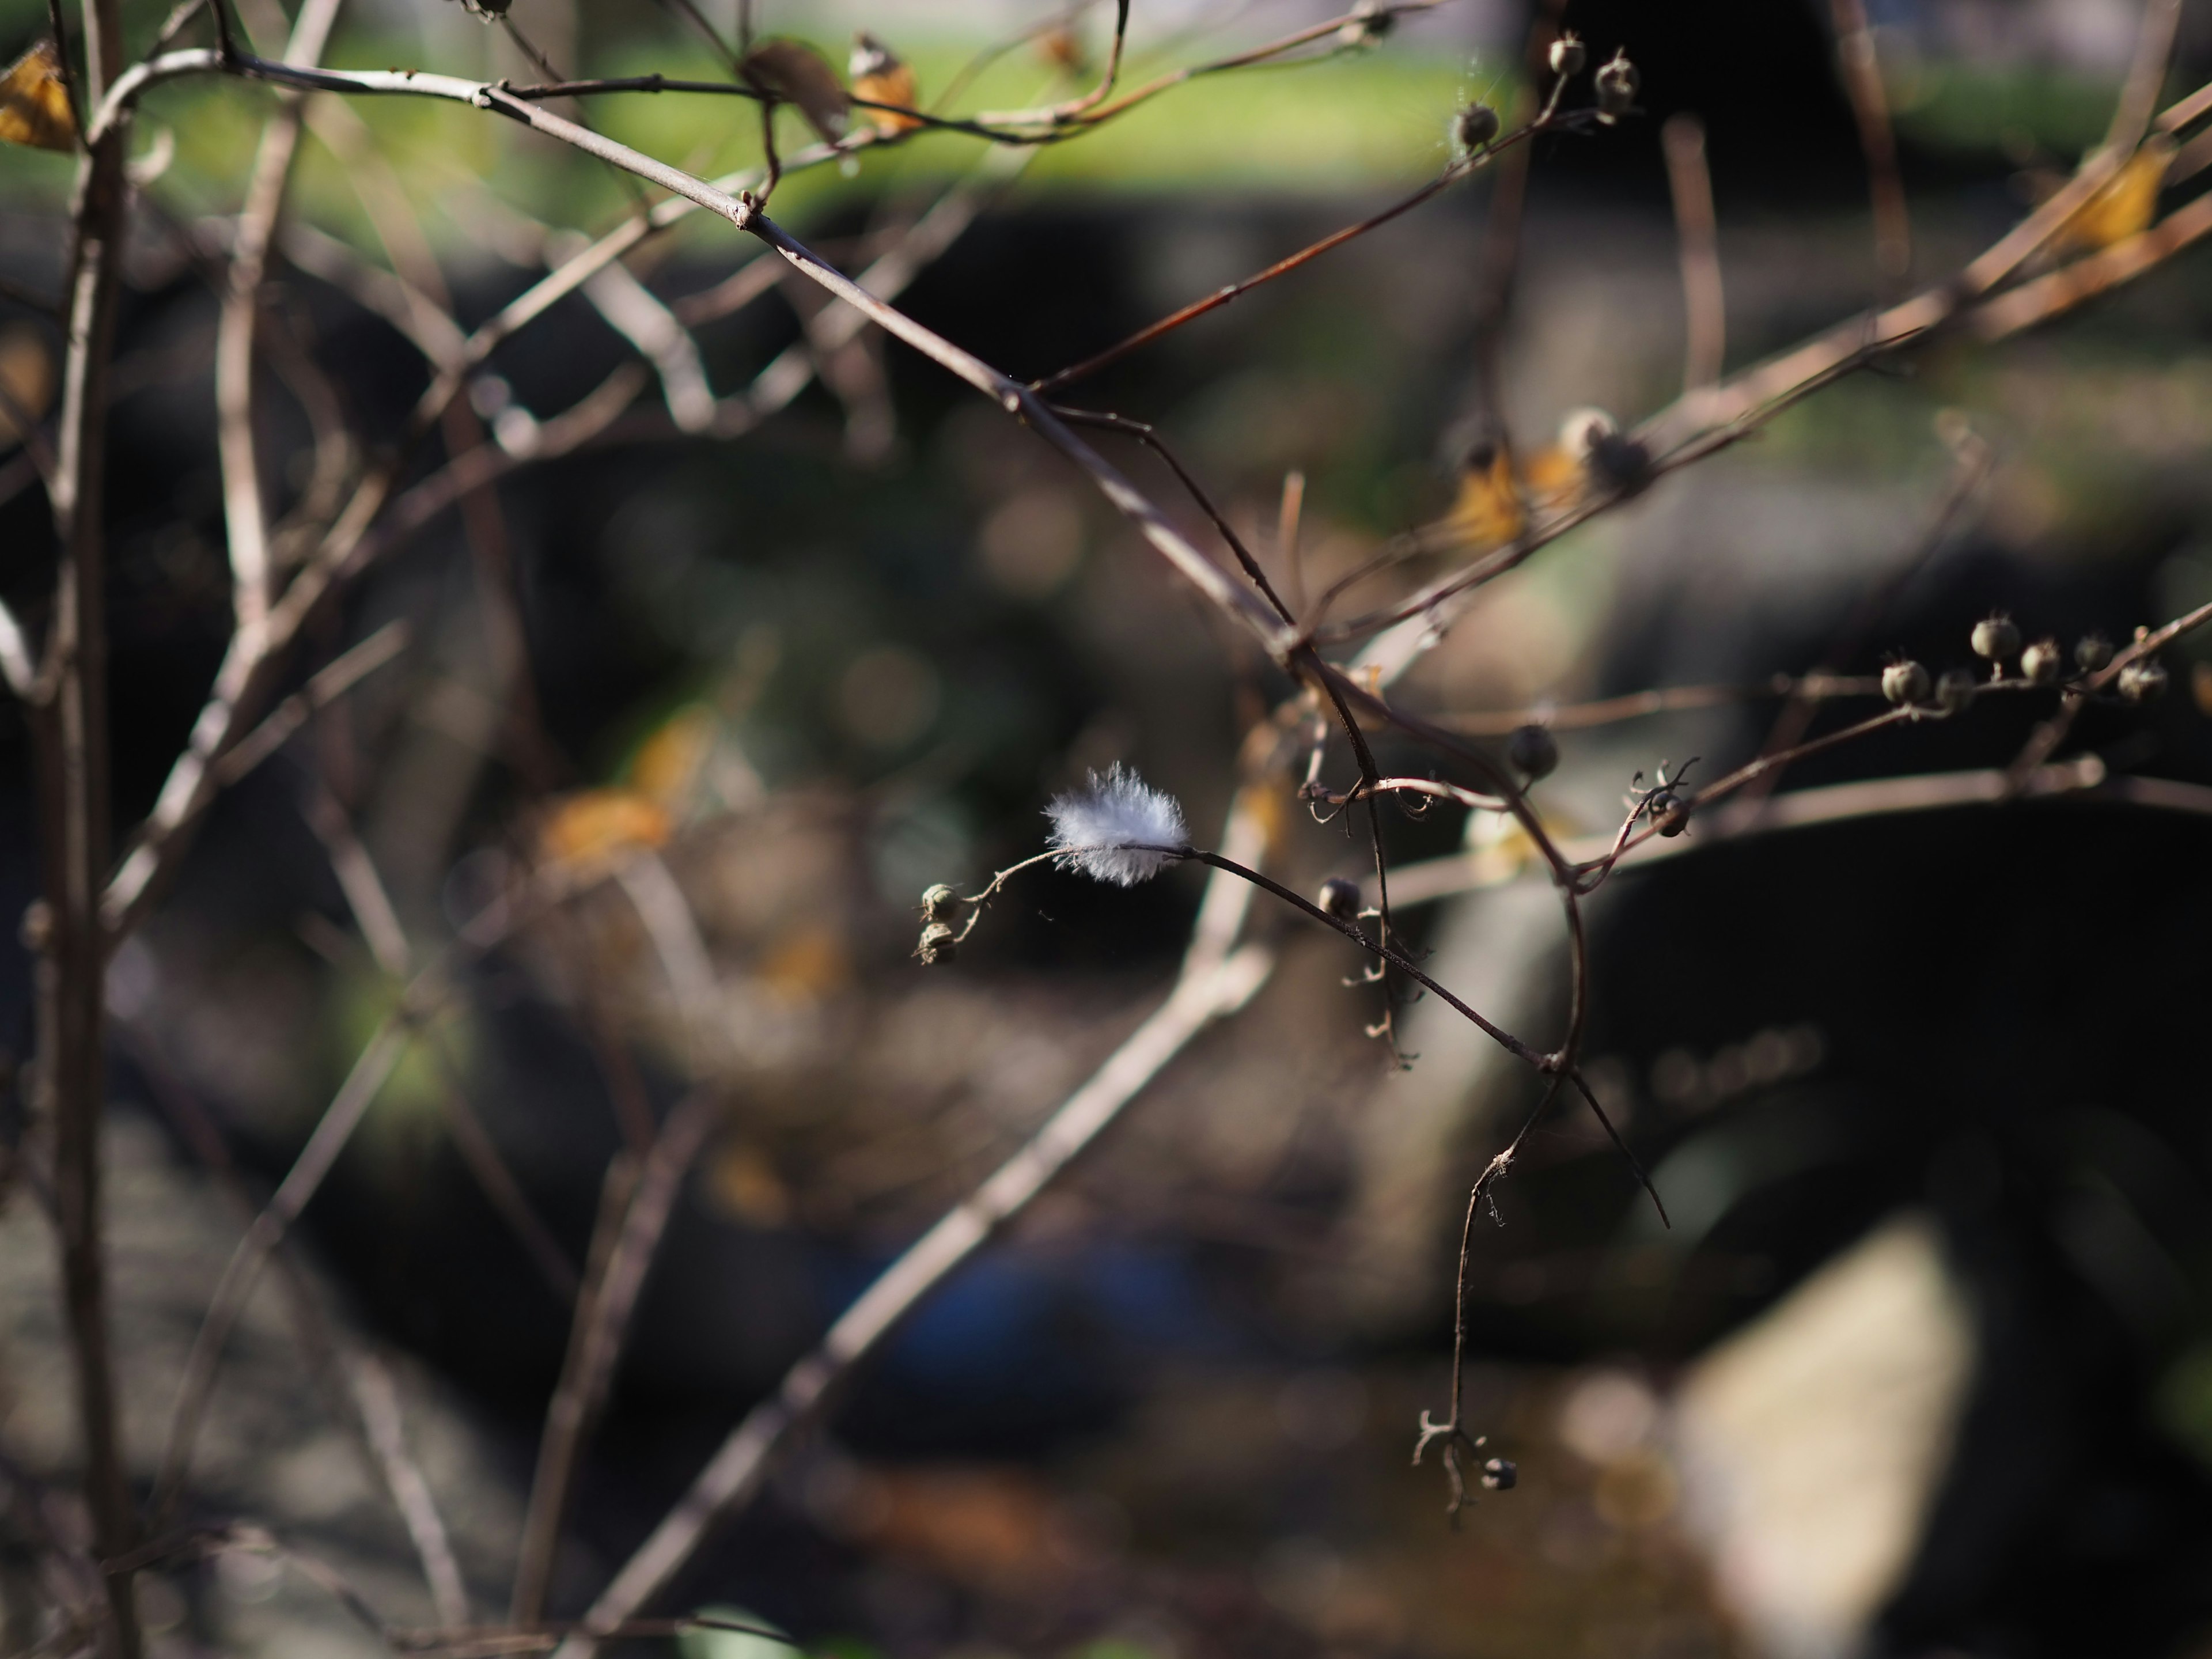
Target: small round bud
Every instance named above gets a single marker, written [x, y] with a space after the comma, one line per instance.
[937, 900]
[1904, 683]
[2040, 663]
[1954, 689]
[1473, 127]
[1500, 1474]
[1617, 84]
[1670, 813]
[2143, 680]
[1568, 56]
[1532, 750]
[2093, 652]
[938, 945]
[1340, 898]
[1996, 638]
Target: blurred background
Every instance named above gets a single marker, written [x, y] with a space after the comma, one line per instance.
[1923, 1365]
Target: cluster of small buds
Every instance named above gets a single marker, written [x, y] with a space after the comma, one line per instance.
[940, 944]
[1997, 641]
[1533, 751]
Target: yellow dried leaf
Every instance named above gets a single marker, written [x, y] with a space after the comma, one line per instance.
[27, 379]
[792, 72]
[34, 105]
[2124, 207]
[1487, 511]
[806, 964]
[880, 77]
[666, 766]
[592, 823]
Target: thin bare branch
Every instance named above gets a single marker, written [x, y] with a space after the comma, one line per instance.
[1862, 75]
[1696, 236]
[633, 1230]
[1213, 984]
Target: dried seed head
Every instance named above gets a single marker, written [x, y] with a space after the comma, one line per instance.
[937, 900]
[2040, 663]
[1473, 127]
[1617, 84]
[1369, 22]
[1568, 56]
[1904, 683]
[938, 946]
[1611, 457]
[1500, 1474]
[2143, 680]
[1995, 637]
[1532, 750]
[2093, 652]
[1954, 689]
[1670, 813]
[1340, 898]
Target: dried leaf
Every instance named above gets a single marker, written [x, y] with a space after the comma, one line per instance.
[792, 72]
[34, 105]
[592, 823]
[880, 78]
[27, 379]
[2123, 207]
[1487, 511]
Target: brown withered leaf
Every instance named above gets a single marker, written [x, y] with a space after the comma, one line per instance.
[880, 77]
[792, 72]
[34, 105]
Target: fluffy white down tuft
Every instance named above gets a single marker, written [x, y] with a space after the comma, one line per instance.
[1094, 826]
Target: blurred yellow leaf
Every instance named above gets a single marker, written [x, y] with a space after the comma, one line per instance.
[1487, 511]
[2123, 207]
[880, 77]
[27, 379]
[744, 1185]
[592, 823]
[1492, 505]
[665, 769]
[806, 964]
[794, 73]
[34, 105]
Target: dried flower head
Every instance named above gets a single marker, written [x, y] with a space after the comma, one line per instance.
[1107, 829]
